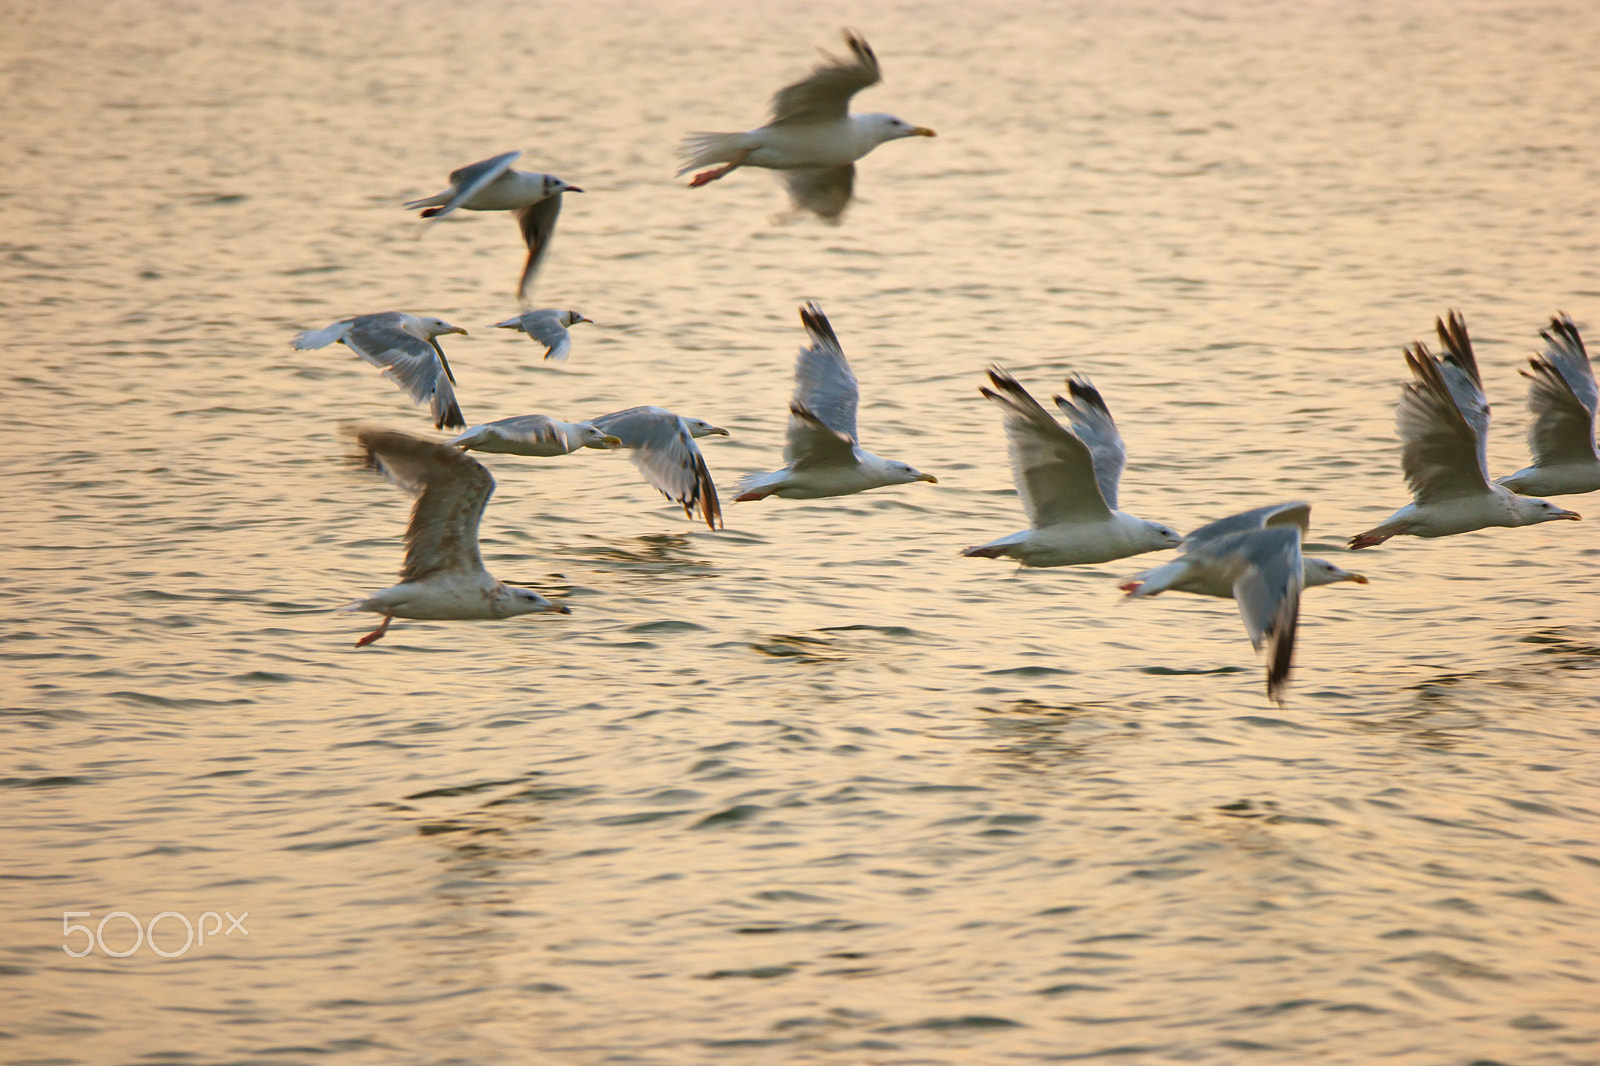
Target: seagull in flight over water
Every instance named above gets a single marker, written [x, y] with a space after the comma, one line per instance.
[407, 348]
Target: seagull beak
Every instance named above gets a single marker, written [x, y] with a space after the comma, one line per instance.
[611, 442]
[1574, 515]
[922, 131]
[558, 608]
[583, 318]
[570, 188]
[718, 431]
[1359, 579]
[457, 329]
[929, 478]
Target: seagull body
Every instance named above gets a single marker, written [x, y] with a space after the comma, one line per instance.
[811, 138]
[547, 327]
[406, 348]
[491, 185]
[1183, 575]
[1563, 397]
[1443, 420]
[821, 452]
[538, 435]
[1068, 481]
[662, 446]
[443, 576]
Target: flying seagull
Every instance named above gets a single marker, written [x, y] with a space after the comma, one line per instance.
[1067, 479]
[1562, 397]
[662, 447]
[547, 327]
[405, 346]
[811, 138]
[822, 452]
[1182, 576]
[1443, 421]
[443, 576]
[491, 185]
[538, 435]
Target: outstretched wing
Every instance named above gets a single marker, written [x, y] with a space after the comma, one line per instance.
[812, 442]
[824, 385]
[538, 222]
[1459, 368]
[409, 361]
[1267, 589]
[546, 328]
[664, 451]
[1276, 514]
[1440, 452]
[1052, 468]
[451, 489]
[1092, 422]
[466, 182]
[824, 94]
[1562, 397]
[825, 191]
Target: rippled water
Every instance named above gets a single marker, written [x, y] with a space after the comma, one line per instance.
[811, 789]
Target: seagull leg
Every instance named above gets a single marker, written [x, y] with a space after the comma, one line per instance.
[1130, 587]
[706, 177]
[376, 633]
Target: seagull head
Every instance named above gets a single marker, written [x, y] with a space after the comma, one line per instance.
[589, 436]
[699, 427]
[1163, 536]
[1531, 510]
[904, 474]
[435, 327]
[527, 601]
[572, 318]
[889, 128]
[553, 185]
[1322, 572]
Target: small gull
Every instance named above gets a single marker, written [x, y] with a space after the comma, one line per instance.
[1257, 560]
[1067, 480]
[491, 185]
[534, 435]
[822, 454]
[443, 576]
[1443, 420]
[1562, 397]
[405, 347]
[1180, 576]
[662, 447]
[811, 138]
[547, 327]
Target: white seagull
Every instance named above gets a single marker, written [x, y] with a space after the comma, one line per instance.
[1067, 480]
[1443, 421]
[811, 138]
[443, 576]
[547, 327]
[405, 346]
[1562, 397]
[491, 185]
[1259, 563]
[1182, 575]
[662, 447]
[538, 435]
[822, 452]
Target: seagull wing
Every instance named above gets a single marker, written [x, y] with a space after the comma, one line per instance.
[1269, 578]
[540, 430]
[538, 222]
[1440, 452]
[546, 328]
[1459, 368]
[813, 442]
[1277, 514]
[663, 450]
[1562, 397]
[824, 94]
[451, 490]
[467, 182]
[1092, 423]
[1053, 469]
[825, 191]
[409, 361]
[823, 382]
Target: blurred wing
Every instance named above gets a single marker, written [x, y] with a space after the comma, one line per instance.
[451, 489]
[466, 182]
[410, 362]
[538, 222]
[1053, 470]
[525, 429]
[823, 382]
[1277, 514]
[825, 191]
[824, 95]
[665, 453]
[1562, 397]
[812, 442]
[1092, 423]
[1459, 368]
[1267, 589]
[1440, 452]
[546, 328]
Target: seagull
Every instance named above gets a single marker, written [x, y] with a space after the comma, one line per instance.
[1182, 576]
[812, 137]
[491, 185]
[443, 576]
[547, 327]
[1443, 421]
[1562, 397]
[405, 347]
[663, 448]
[822, 454]
[1259, 564]
[1067, 480]
[534, 435]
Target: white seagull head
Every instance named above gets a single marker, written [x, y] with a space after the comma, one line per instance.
[888, 128]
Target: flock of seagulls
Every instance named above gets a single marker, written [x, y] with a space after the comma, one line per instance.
[1067, 474]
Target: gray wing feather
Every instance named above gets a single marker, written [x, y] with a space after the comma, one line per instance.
[1053, 469]
[466, 182]
[1459, 368]
[1562, 397]
[1092, 422]
[663, 450]
[538, 223]
[824, 94]
[1440, 452]
[546, 328]
[813, 442]
[410, 362]
[1277, 514]
[451, 490]
[825, 191]
[824, 385]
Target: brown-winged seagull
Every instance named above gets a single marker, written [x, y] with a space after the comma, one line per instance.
[1443, 421]
[811, 138]
[1563, 398]
[443, 576]
[661, 445]
[491, 185]
[405, 346]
